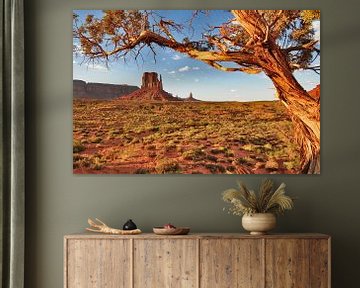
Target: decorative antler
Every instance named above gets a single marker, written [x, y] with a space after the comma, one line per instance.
[101, 227]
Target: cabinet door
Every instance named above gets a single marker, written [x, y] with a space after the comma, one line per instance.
[287, 263]
[231, 263]
[98, 263]
[167, 263]
[320, 263]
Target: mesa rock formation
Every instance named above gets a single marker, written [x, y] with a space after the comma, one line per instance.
[150, 81]
[100, 91]
[151, 90]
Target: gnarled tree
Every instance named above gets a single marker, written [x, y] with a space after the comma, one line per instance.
[276, 42]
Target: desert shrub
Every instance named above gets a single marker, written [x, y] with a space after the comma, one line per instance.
[80, 161]
[258, 141]
[230, 168]
[259, 165]
[114, 132]
[195, 154]
[243, 161]
[154, 129]
[267, 146]
[229, 153]
[95, 139]
[200, 136]
[289, 165]
[135, 140]
[248, 147]
[151, 147]
[167, 166]
[152, 154]
[78, 146]
[96, 165]
[271, 164]
[169, 147]
[215, 151]
[212, 158]
[190, 123]
[214, 168]
[142, 171]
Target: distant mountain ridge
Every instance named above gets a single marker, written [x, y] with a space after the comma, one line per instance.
[101, 91]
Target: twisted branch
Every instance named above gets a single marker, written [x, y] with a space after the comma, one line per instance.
[101, 227]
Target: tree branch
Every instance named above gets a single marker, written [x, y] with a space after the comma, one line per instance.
[307, 46]
[148, 37]
[248, 70]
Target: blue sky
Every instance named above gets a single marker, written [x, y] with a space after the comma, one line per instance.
[181, 74]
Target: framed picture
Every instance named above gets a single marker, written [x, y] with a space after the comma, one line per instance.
[196, 92]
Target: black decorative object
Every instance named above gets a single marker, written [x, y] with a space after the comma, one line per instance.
[129, 225]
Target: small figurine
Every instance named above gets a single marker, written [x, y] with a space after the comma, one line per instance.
[129, 225]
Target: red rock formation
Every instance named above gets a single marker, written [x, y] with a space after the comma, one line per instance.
[191, 98]
[315, 92]
[101, 91]
[151, 90]
[150, 81]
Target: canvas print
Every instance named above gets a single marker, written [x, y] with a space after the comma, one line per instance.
[196, 91]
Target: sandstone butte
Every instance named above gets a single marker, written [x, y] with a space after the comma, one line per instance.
[152, 90]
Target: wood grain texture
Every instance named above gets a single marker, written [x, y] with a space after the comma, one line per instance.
[88, 235]
[319, 263]
[165, 263]
[197, 260]
[98, 264]
[231, 263]
[287, 263]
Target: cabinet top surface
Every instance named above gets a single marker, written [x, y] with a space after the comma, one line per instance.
[87, 235]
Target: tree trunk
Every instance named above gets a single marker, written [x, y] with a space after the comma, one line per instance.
[304, 110]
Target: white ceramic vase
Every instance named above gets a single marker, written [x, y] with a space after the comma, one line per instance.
[259, 223]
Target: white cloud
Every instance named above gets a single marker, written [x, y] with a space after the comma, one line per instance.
[176, 57]
[184, 69]
[233, 90]
[316, 26]
[196, 80]
[196, 68]
[172, 72]
[98, 67]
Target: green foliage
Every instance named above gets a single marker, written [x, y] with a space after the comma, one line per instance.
[310, 15]
[267, 200]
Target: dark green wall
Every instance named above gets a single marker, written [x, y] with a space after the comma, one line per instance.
[59, 202]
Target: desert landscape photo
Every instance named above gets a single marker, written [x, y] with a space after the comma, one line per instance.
[196, 92]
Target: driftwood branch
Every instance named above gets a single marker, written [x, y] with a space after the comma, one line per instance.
[101, 227]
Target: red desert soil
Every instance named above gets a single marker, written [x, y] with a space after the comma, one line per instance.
[158, 137]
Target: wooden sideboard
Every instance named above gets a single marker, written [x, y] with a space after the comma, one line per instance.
[197, 260]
